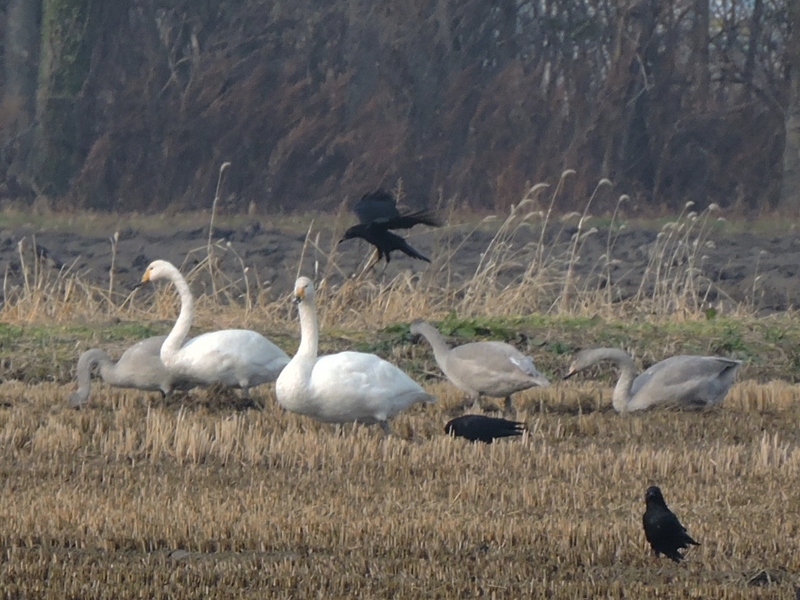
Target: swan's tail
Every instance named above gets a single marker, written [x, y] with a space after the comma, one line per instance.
[426, 398]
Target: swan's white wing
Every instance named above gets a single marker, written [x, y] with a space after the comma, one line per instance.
[352, 386]
[365, 382]
[685, 379]
[232, 357]
[493, 368]
[349, 386]
[140, 366]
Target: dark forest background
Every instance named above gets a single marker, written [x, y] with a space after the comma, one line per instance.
[134, 105]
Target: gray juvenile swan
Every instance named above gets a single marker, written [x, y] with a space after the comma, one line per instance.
[343, 387]
[684, 380]
[493, 369]
[233, 357]
[139, 367]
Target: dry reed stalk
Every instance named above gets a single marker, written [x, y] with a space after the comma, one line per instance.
[209, 247]
[23, 267]
[578, 237]
[527, 266]
[111, 271]
[675, 264]
[610, 241]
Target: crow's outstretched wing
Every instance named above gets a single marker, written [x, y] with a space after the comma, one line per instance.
[376, 207]
[421, 217]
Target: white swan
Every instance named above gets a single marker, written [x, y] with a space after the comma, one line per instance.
[684, 380]
[343, 387]
[233, 357]
[494, 369]
[139, 367]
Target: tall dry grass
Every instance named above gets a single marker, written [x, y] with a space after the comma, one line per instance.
[529, 264]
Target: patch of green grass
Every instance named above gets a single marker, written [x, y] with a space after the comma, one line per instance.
[553, 339]
[770, 347]
[39, 352]
[47, 334]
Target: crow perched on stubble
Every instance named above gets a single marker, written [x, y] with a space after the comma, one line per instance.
[662, 528]
[378, 214]
[478, 428]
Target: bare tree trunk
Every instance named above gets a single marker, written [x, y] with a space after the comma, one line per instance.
[790, 189]
[701, 54]
[19, 95]
[69, 30]
[752, 44]
[21, 53]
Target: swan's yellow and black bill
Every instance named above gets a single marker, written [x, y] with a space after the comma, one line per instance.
[570, 374]
[146, 276]
[299, 295]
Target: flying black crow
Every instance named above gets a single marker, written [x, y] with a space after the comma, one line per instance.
[377, 214]
[485, 429]
[662, 528]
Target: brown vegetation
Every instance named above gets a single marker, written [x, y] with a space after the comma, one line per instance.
[316, 102]
[530, 264]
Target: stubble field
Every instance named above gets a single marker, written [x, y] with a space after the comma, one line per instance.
[143, 499]
[210, 495]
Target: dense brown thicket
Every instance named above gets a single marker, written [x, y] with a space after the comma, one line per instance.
[316, 101]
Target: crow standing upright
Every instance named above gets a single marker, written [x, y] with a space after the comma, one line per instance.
[478, 428]
[662, 528]
[377, 214]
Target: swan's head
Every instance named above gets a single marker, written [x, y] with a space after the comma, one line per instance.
[303, 290]
[583, 360]
[158, 269]
[417, 327]
[592, 356]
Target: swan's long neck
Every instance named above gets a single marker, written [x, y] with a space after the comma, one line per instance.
[293, 384]
[309, 332]
[85, 363]
[88, 359]
[622, 391]
[435, 339]
[176, 337]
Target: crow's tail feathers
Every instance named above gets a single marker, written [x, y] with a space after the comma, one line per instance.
[676, 556]
[510, 428]
[406, 249]
[691, 541]
[492, 428]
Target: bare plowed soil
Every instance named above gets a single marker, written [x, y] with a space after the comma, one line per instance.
[756, 270]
